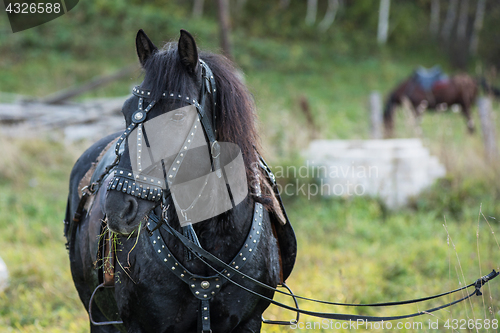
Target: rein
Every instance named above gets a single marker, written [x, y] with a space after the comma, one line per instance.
[210, 260]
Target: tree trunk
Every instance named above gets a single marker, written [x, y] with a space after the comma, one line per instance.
[198, 9]
[451, 15]
[331, 11]
[478, 25]
[487, 125]
[284, 4]
[376, 118]
[240, 4]
[224, 27]
[312, 8]
[462, 20]
[434, 25]
[383, 21]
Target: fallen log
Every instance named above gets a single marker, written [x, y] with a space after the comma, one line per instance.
[63, 95]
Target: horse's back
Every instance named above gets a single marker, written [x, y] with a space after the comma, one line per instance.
[82, 165]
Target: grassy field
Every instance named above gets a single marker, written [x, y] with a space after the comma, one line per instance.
[350, 250]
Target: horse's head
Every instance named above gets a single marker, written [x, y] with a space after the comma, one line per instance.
[158, 128]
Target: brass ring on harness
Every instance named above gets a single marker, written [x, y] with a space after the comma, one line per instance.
[212, 149]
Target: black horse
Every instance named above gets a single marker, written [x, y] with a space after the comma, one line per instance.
[128, 281]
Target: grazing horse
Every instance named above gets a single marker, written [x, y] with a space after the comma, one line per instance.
[430, 91]
[131, 272]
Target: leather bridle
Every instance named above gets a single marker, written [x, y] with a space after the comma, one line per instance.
[150, 188]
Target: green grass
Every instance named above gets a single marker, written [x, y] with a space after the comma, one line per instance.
[350, 250]
[41, 296]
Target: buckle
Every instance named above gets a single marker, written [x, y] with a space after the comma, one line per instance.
[139, 116]
[215, 149]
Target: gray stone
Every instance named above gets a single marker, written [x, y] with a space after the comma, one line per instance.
[393, 170]
[4, 276]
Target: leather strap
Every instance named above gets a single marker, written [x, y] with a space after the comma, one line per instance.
[205, 288]
[209, 260]
[108, 260]
[244, 255]
[77, 217]
[205, 316]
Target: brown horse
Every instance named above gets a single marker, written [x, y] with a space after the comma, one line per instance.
[440, 93]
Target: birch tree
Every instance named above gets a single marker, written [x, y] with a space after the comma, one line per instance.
[451, 15]
[478, 25]
[312, 8]
[462, 20]
[383, 21]
[331, 12]
[223, 13]
[435, 11]
[284, 4]
[240, 4]
[198, 9]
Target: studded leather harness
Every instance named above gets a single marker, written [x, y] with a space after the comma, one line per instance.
[205, 288]
[155, 189]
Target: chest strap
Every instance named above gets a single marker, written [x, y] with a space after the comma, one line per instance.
[205, 288]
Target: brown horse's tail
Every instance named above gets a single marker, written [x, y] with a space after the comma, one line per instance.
[489, 89]
[389, 115]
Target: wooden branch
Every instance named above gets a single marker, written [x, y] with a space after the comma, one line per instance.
[64, 95]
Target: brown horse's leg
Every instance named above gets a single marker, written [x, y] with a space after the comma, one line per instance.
[419, 112]
[389, 118]
[467, 114]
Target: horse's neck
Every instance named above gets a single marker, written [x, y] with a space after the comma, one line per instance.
[227, 230]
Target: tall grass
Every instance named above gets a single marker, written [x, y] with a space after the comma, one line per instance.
[33, 183]
[350, 250]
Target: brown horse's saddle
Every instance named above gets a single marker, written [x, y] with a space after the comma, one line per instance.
[282, 227]
[426, 78]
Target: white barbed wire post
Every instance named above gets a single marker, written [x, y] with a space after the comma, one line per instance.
[488, 129]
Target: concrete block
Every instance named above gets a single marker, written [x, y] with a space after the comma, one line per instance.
[393, 170]
[4, 276]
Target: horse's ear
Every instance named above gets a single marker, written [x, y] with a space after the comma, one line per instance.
[188, 51]
[145, 47]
